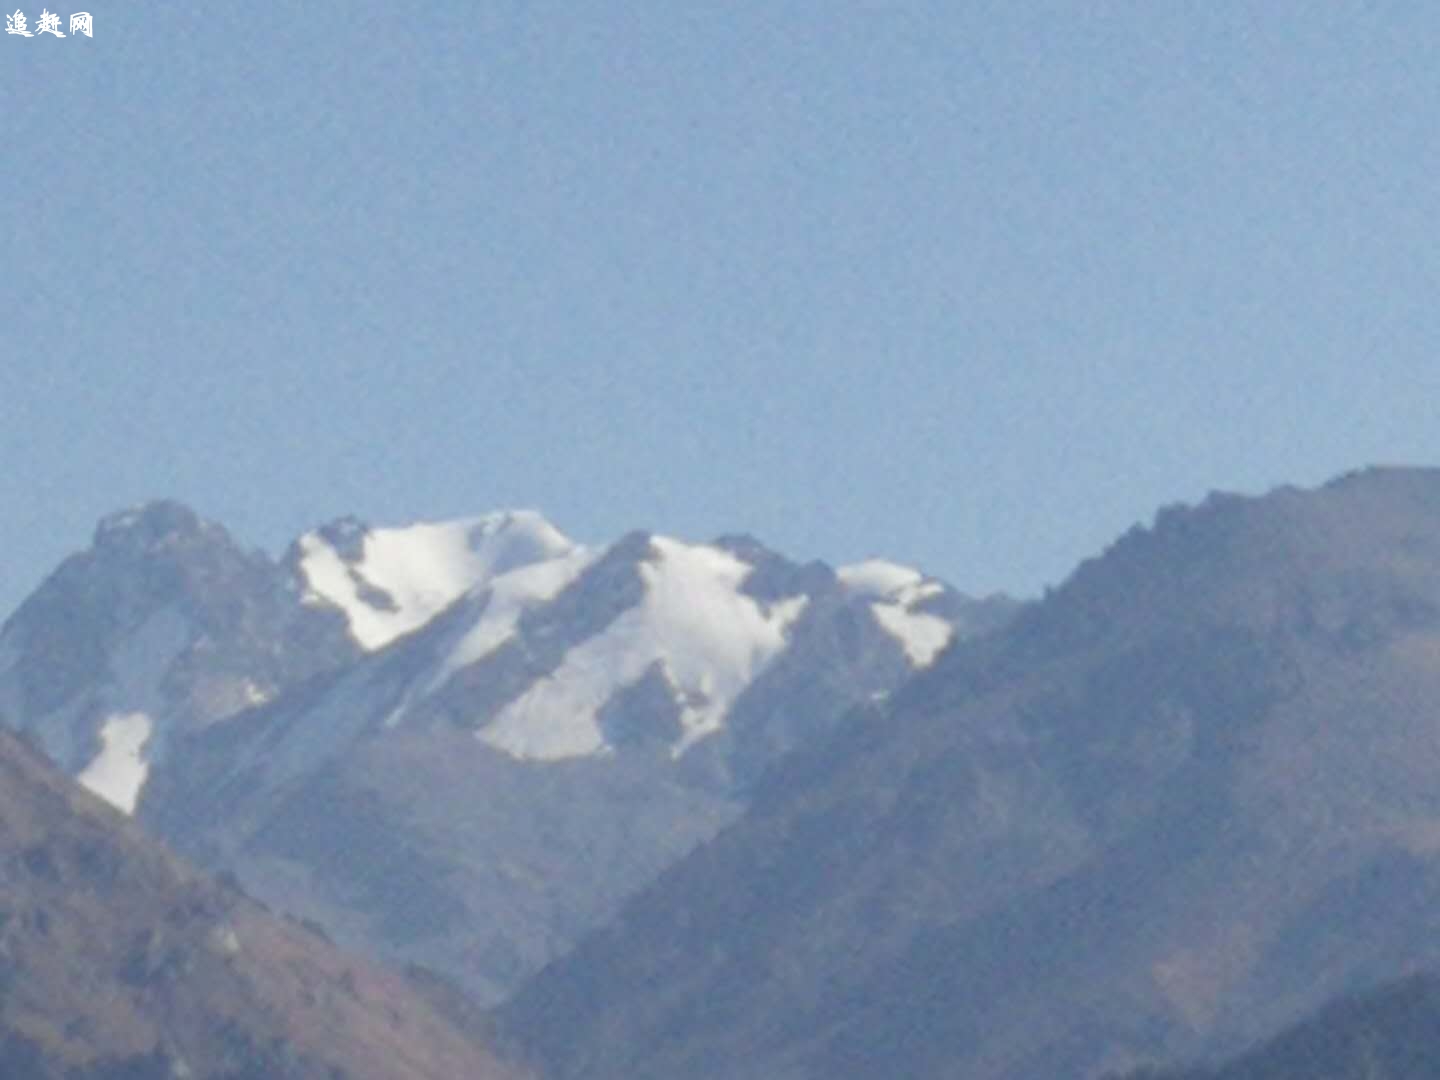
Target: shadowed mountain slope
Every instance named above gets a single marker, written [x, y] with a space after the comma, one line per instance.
[1390, 1033]
[1168, 810]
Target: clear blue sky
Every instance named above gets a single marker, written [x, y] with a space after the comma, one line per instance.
[974, 285]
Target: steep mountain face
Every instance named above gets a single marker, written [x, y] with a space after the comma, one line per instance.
[1390, 1033]
[163, 625]
[118, 960]
[1171, 808]
[463, 743]
[389, 582]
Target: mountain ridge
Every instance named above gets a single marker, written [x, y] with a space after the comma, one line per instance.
[1104, 833]
[614, 704]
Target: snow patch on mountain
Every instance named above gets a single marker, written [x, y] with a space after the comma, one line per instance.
[402, 577]
[880, 578]
[897, 591]
[709, 639]
[118, 772]
[255, 694]
[131, 681]
[509, 596]
[122, 520]
[921, 635]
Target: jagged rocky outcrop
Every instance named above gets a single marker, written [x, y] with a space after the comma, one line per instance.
[163, 625]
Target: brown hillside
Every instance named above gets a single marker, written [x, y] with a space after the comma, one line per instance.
[117, 959]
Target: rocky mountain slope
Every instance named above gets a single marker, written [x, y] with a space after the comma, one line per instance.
[1173, 807]
[118, 960]
[164, 624]
[461, 744]
[1388, 1033]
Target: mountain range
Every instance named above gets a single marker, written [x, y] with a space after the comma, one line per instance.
[697, 809]
[458, 744]
[1175, 805]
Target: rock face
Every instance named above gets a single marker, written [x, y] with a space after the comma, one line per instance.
[1176, 805]
[163, 625]
[1388, 1033]
[119, 960]
[460, 744]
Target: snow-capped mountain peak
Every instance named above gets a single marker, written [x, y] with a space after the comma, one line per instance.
[389, 582]
[886, 580]
[561, 720]
[163, 624]
[693, 626]
[897, 594]
[548, 650]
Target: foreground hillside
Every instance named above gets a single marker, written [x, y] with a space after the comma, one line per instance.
[1172, 808]
[119, 961]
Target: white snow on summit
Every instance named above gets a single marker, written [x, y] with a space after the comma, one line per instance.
[510, 596]
[406, 576]
[895, 590]
[885, 580]
[118, 772]
[709, 638]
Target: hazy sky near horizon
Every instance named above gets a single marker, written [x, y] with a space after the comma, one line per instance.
[973, 285]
